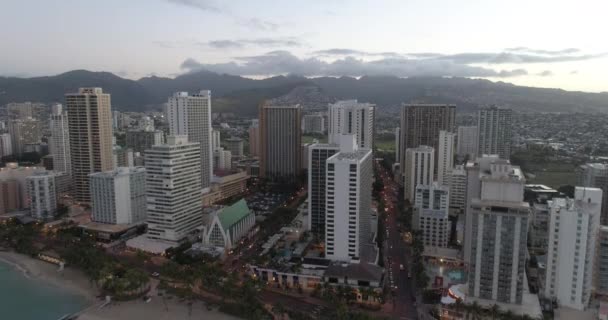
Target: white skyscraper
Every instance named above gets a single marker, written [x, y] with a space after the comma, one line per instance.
[432, 214]
[457, 181]
[419, 168]
[173, 189]
[348, 201]
[216, 141]
[352, 117]
[59, 142]
[191, 115]
[494, 132]
[222, 159]
[573, 233]
[445, 153]
[467, 142]
[42, 193]
[119, 196]
[397, 142]
[6, 147]
[498, 230]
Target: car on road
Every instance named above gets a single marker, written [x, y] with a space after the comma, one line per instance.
[401, 267]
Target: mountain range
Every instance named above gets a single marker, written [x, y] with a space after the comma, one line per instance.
[243, 95]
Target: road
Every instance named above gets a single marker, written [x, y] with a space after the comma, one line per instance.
[396, 251]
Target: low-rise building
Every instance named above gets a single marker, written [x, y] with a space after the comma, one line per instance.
[230, 224]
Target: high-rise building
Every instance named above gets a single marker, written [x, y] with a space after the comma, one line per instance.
[24, 132]
[281, 142]
[418, 169]
[457, 181]
[235, 146]
[9, 195]
[318, 154]
[254, 139]
[59, 142]
[397, 137]
[90, 131]
[352, 117]
[573, 233]
[222, 159]
[122, 157]
[494, 132]
[313, 123]
[601, 279]
[595, 175]
[42, 193]
[467, 142]
[498, 232]
[349, 175]
[216, 141]
[173, 189]
[119, 196]
[420, 126]
[432, 214]
[191, 115]
[24, 110]
[6, 147]
[141, 140]
[445, 153]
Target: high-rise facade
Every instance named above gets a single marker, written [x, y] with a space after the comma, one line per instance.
[397, 139]
[173, 189]
[445, 154]
[352, 117]
[456, 180]
[595, 175]
[573, 234]
[59, 142]
[90, 131]
[349, 175]
[119, 196]
[222, 159]
[281, 142]
[216, 139]
[9, 195]
[601, 279]
[142, 140]
[254, 139]
[191, 115]
[432, 214]
[24, 132]
[42, 193]
[317, 159]
[313, 123]
[421, 124]
[6, 146]
[418, 169]
[498, 231]
[235, 146]
[494, 131]
[467, 142]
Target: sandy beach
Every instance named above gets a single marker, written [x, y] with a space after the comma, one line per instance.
[75, 281]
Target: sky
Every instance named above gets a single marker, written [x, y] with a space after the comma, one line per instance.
[540, 43]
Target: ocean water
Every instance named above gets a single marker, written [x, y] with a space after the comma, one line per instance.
[23, 298]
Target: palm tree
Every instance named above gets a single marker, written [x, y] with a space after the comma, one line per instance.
[494, 311]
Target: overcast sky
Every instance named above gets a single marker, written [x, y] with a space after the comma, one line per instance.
[543, 43]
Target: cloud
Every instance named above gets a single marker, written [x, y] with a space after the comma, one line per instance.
[205, 5]
[259, 42]
[283, 62]
[545, 52]
[574, 72]
[546, 73]
[258, 24]
[516, 58]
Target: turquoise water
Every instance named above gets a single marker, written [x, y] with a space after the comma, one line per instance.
[456, 275]
[30, 299]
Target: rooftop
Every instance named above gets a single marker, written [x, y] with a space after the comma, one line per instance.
[359, 271]
[232, 214]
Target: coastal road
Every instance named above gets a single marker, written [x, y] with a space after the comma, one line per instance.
[396, 252]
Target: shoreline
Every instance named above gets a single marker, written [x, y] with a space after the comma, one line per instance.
[69, 279]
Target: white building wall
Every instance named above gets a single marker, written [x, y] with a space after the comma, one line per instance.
[467, 142]
[59, 142]
[42, 193]
[445, 162]
[419, 169]
[6, 148]
[573, 233]
[352, 117]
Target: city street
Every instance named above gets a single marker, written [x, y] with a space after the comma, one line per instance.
[396, 252]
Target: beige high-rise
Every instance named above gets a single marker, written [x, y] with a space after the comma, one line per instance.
[90, 127]
[280, 141]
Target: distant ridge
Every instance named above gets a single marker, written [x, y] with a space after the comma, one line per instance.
[239, 94]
